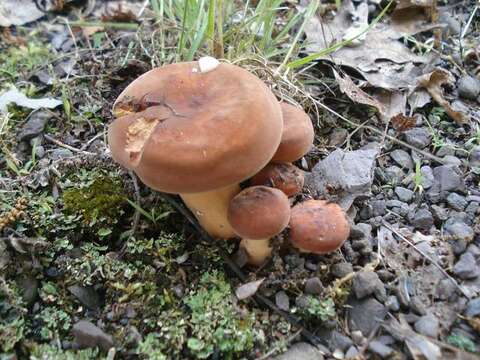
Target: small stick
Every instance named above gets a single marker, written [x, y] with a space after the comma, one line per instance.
[59, 143]
[384, 223]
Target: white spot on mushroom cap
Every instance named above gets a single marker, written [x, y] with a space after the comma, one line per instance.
[207, 64]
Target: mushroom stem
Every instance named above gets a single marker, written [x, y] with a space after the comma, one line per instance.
[258, 250]
[211, 207]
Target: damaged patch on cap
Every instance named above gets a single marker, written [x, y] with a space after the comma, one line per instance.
[137, 135]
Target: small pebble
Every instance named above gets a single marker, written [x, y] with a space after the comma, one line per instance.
[468, 87]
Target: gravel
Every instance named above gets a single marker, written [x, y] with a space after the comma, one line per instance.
[466, 267]
[468, 87]
[339, 270]
[402, 158]
[301, 351]
[404, 194]
[428, 325]
[86, 295]
[365, 314]
[380, 349]
[474, 160]
[456, 202]
[418, 137]
[282, 300]
[367, 283]
[89, 335]
[313, 286]
[473, 308]
[455, 229]
[422, 219]
[35, 125]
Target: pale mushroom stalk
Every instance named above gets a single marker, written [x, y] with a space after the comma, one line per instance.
[258, 250]
[210, 209]
[257, 214]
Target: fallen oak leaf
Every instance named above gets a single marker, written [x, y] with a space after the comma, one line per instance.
[249, 289]
[357, 95]
[433, 82]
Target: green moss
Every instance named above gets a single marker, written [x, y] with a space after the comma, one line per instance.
[103, 199]
[462, 342]
[12, 319]
[50, 352]
[215, 322]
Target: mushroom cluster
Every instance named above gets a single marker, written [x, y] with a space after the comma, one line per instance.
[199, 129]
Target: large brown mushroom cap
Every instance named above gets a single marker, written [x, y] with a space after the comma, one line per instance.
[186, 131]
[297, 135]
[259, 212]
[283, 176]
[318, 226]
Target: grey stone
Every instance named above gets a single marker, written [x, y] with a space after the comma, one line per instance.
[339, 341]
[468, 87]
[337, 136]
[367, 283]
[86, 295]
[339, 270]
[440, 214]
[404, 194]
[448, 149]
[89, 335]
[457, 230]
[473, 308]
[418, 137]
[61, 153]
[417, 305]
[378, 207]
[445, 289]
[349, 172]
[458, 246]
[422, 219]
[456, 202]
[351, 353]
[380, 349]
[402, 158]
[282, 300]
[394, 174]
[474, 159]
[39, 151]
[392, 303]
[447, 178]
[358, 337]
[313, 286]
[361, 231]
[427, 325]
[427, 177]
[466, 267]
[472, 208]
[301, 351]
[365, 314]
[452, 160]
[28, 286]
[34, 125]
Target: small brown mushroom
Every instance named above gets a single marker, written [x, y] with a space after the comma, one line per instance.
[256, 214]
[317, 226]
[197, 129]
[297, 135]
[283, 176]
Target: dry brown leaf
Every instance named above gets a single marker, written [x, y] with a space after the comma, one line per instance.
[382, 60]
[403, 123]
[357, 95]
[433, 83]
[395, 103]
